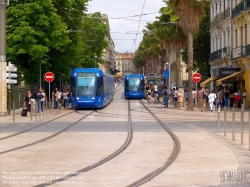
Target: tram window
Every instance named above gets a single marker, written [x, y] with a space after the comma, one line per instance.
[134, 84]
[86, 84]
[99, 86]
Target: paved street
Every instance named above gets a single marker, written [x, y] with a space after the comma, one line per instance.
[206, 158]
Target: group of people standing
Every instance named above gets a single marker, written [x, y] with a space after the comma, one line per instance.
[223, 98]
[38, 97]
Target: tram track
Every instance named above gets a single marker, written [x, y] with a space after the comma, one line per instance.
[46, 138]
[146, 178]
[106, 159]
[36, 126]
[169, 161]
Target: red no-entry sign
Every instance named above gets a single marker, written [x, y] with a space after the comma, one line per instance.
[196, 77]
[49, 76]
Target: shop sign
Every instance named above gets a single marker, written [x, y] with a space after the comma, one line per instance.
[228, 71]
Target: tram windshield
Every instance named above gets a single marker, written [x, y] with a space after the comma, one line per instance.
[134, 84]
[85, 84]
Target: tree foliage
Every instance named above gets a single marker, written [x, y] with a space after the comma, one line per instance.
[55, 34]
[201, 47]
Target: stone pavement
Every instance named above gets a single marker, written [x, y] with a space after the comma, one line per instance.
[207, 158]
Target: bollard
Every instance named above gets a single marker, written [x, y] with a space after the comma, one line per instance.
[14, 112]
[35, 112]
[31, 110]
[43, 108]
[242, 124]
[216, 106]
[53, 105]
[46, 104]
[244, 103]
[233, 125]
[225, 122]
[218, 124]
[39, 108]
[249, 130]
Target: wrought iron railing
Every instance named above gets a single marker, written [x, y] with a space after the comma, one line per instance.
[239, 52]
[220, 17]
[248, 50]
[237, 10]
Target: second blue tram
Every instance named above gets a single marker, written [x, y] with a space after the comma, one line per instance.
[91, 88]
[134, 86]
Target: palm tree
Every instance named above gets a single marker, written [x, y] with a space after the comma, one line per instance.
[189, 13]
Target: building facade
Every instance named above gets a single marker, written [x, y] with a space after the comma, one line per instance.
[124, 63]
[230, 45]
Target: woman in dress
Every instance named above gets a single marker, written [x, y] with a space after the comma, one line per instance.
[211, 98]
[27, 102]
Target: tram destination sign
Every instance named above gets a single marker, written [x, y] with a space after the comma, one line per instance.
[223, 72]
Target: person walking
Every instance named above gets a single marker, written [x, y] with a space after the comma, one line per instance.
[36, 96]
[175, 97]
[202, 98]
[219, 99]
[43, 100]
[26, 103]
[211, 99]
[165, 94]
[149, 96]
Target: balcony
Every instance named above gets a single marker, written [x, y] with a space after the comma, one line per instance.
[237, 10]
[220, 17]
[239, 52]
[215, 55]
[248, 4]
[248, 49]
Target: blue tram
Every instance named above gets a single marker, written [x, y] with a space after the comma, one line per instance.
[134, 86]
[91, 88]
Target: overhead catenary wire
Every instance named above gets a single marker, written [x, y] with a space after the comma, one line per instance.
[138, 26]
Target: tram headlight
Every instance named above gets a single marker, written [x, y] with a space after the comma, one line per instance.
[78, 98]
[92, 98]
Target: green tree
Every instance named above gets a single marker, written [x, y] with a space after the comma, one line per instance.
[34, 29]
[201, 47]
[189, 13]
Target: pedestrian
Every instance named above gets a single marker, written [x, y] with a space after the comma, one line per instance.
[43, 100]
[194, 95]
[26, 103]
[186, 95]
[165, 94]
[37, 96]
[55, 96]
[59, 96]
[226, 98]
[211, 99]
[149, 95]
[65, 99]
[219, 99]
[202, 98]
[175, 97]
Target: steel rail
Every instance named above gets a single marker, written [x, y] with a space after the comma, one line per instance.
[47, 138]
[6, 137]
[106, 159]
[170, 160]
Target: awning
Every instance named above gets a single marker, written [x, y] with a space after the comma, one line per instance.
[203, 84]
[219, 81]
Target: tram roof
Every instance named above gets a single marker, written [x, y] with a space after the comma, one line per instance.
[87, 70]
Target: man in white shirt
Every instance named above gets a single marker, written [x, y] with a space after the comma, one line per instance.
[175, 97]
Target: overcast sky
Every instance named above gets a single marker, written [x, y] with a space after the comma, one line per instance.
[123, 30]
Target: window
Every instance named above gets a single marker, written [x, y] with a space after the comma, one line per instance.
[85, 84]
[99, 86]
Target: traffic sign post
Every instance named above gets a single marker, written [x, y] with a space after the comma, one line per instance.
[196, 78]
[49, 77]
[11, 68]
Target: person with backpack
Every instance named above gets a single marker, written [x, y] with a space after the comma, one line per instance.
[37, 95]
[203, 99]
[165, 94]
